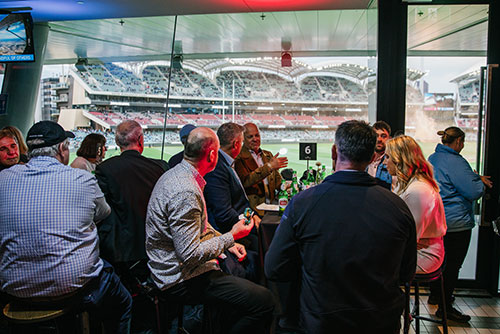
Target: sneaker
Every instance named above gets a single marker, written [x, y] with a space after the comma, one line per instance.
[454, 314]
[434, 300]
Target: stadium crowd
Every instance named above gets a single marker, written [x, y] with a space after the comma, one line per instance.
[249, 85]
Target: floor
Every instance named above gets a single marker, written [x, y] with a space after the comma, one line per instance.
[485, 313]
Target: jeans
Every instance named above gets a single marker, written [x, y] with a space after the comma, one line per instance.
[456, 245]
[243, 307]
[109, 301]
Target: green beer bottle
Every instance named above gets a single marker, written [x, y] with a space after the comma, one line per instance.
[282, 197]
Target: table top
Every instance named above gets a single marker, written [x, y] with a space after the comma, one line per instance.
[272, 218]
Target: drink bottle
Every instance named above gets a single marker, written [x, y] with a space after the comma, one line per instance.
[282, 197]
[310, 176]
[323, 173]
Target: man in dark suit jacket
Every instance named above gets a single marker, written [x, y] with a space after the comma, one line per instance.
[226, 199]
[350, 241]
[127, 181]
[224, 193]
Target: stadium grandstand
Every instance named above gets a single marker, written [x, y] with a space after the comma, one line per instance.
[468, 86]
[298, 102]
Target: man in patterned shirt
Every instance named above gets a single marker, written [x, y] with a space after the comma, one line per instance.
[183, 247]
[48, 236]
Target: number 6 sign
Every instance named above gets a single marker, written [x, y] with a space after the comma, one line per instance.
[307, 151]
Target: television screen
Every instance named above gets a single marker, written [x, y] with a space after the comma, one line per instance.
[16, 38]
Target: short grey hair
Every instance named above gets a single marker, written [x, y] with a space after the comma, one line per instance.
[127, 133]
[48, 151]
[228, 132]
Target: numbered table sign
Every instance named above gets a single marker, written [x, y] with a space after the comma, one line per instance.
[307, 151]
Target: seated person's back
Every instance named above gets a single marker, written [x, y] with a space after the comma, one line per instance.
[48, 235]
[351, 241]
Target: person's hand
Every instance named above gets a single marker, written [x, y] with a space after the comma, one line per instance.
[486, 180]
[256, 221]
[277, 163]
[240, 230]
[239, 251]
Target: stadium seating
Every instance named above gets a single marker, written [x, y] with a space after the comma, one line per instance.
[249, 85]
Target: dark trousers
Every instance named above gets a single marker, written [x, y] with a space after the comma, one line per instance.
[240, 306]
[456, 245]
[109, 301]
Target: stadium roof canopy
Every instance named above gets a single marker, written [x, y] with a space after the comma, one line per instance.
[273, 64]
[131, 30]
[298, 70]
[466, 78]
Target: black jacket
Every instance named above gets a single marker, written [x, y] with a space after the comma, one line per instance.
[352, 242]
[225, 196]
[175, 159]
[127, 181]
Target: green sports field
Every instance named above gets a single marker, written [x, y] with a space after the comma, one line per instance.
[324, 153]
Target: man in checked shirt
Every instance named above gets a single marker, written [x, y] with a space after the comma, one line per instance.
[183, 247]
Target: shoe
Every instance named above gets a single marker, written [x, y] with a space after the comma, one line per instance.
[434, 300]
[453, 314]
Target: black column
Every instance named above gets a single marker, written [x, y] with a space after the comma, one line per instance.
[489, 243]
[391, 71]
[22, 82]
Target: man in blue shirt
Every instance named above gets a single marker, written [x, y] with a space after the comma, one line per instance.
[48, 236]
[378, 167]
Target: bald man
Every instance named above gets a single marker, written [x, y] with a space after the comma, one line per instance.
[258, 169]
[183, 247]
[127, 181]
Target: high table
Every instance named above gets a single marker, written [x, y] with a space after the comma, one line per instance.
[268, 226]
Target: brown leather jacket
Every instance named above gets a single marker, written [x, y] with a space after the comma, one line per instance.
[252, 177]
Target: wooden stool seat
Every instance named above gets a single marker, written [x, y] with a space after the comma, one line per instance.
[23, 313]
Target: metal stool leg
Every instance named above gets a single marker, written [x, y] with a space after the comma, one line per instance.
[180, 321]
[443, 303]
[158, 314]
[406, 325]
[416, 309]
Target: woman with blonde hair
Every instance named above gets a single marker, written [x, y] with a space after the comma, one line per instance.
[417, 187]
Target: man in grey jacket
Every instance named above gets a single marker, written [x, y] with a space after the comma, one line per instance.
[183, 248]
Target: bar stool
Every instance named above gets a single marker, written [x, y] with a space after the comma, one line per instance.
[165, 305]
[415, 313]
[26, 313]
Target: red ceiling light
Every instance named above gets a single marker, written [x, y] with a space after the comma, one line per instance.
[279, 5]
[286, 59]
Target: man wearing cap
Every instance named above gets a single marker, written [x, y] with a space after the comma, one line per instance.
[127, 181]
[183, 134]
[48, 235]
[9, 150]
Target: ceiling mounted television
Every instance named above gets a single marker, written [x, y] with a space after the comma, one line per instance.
[16, 38]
